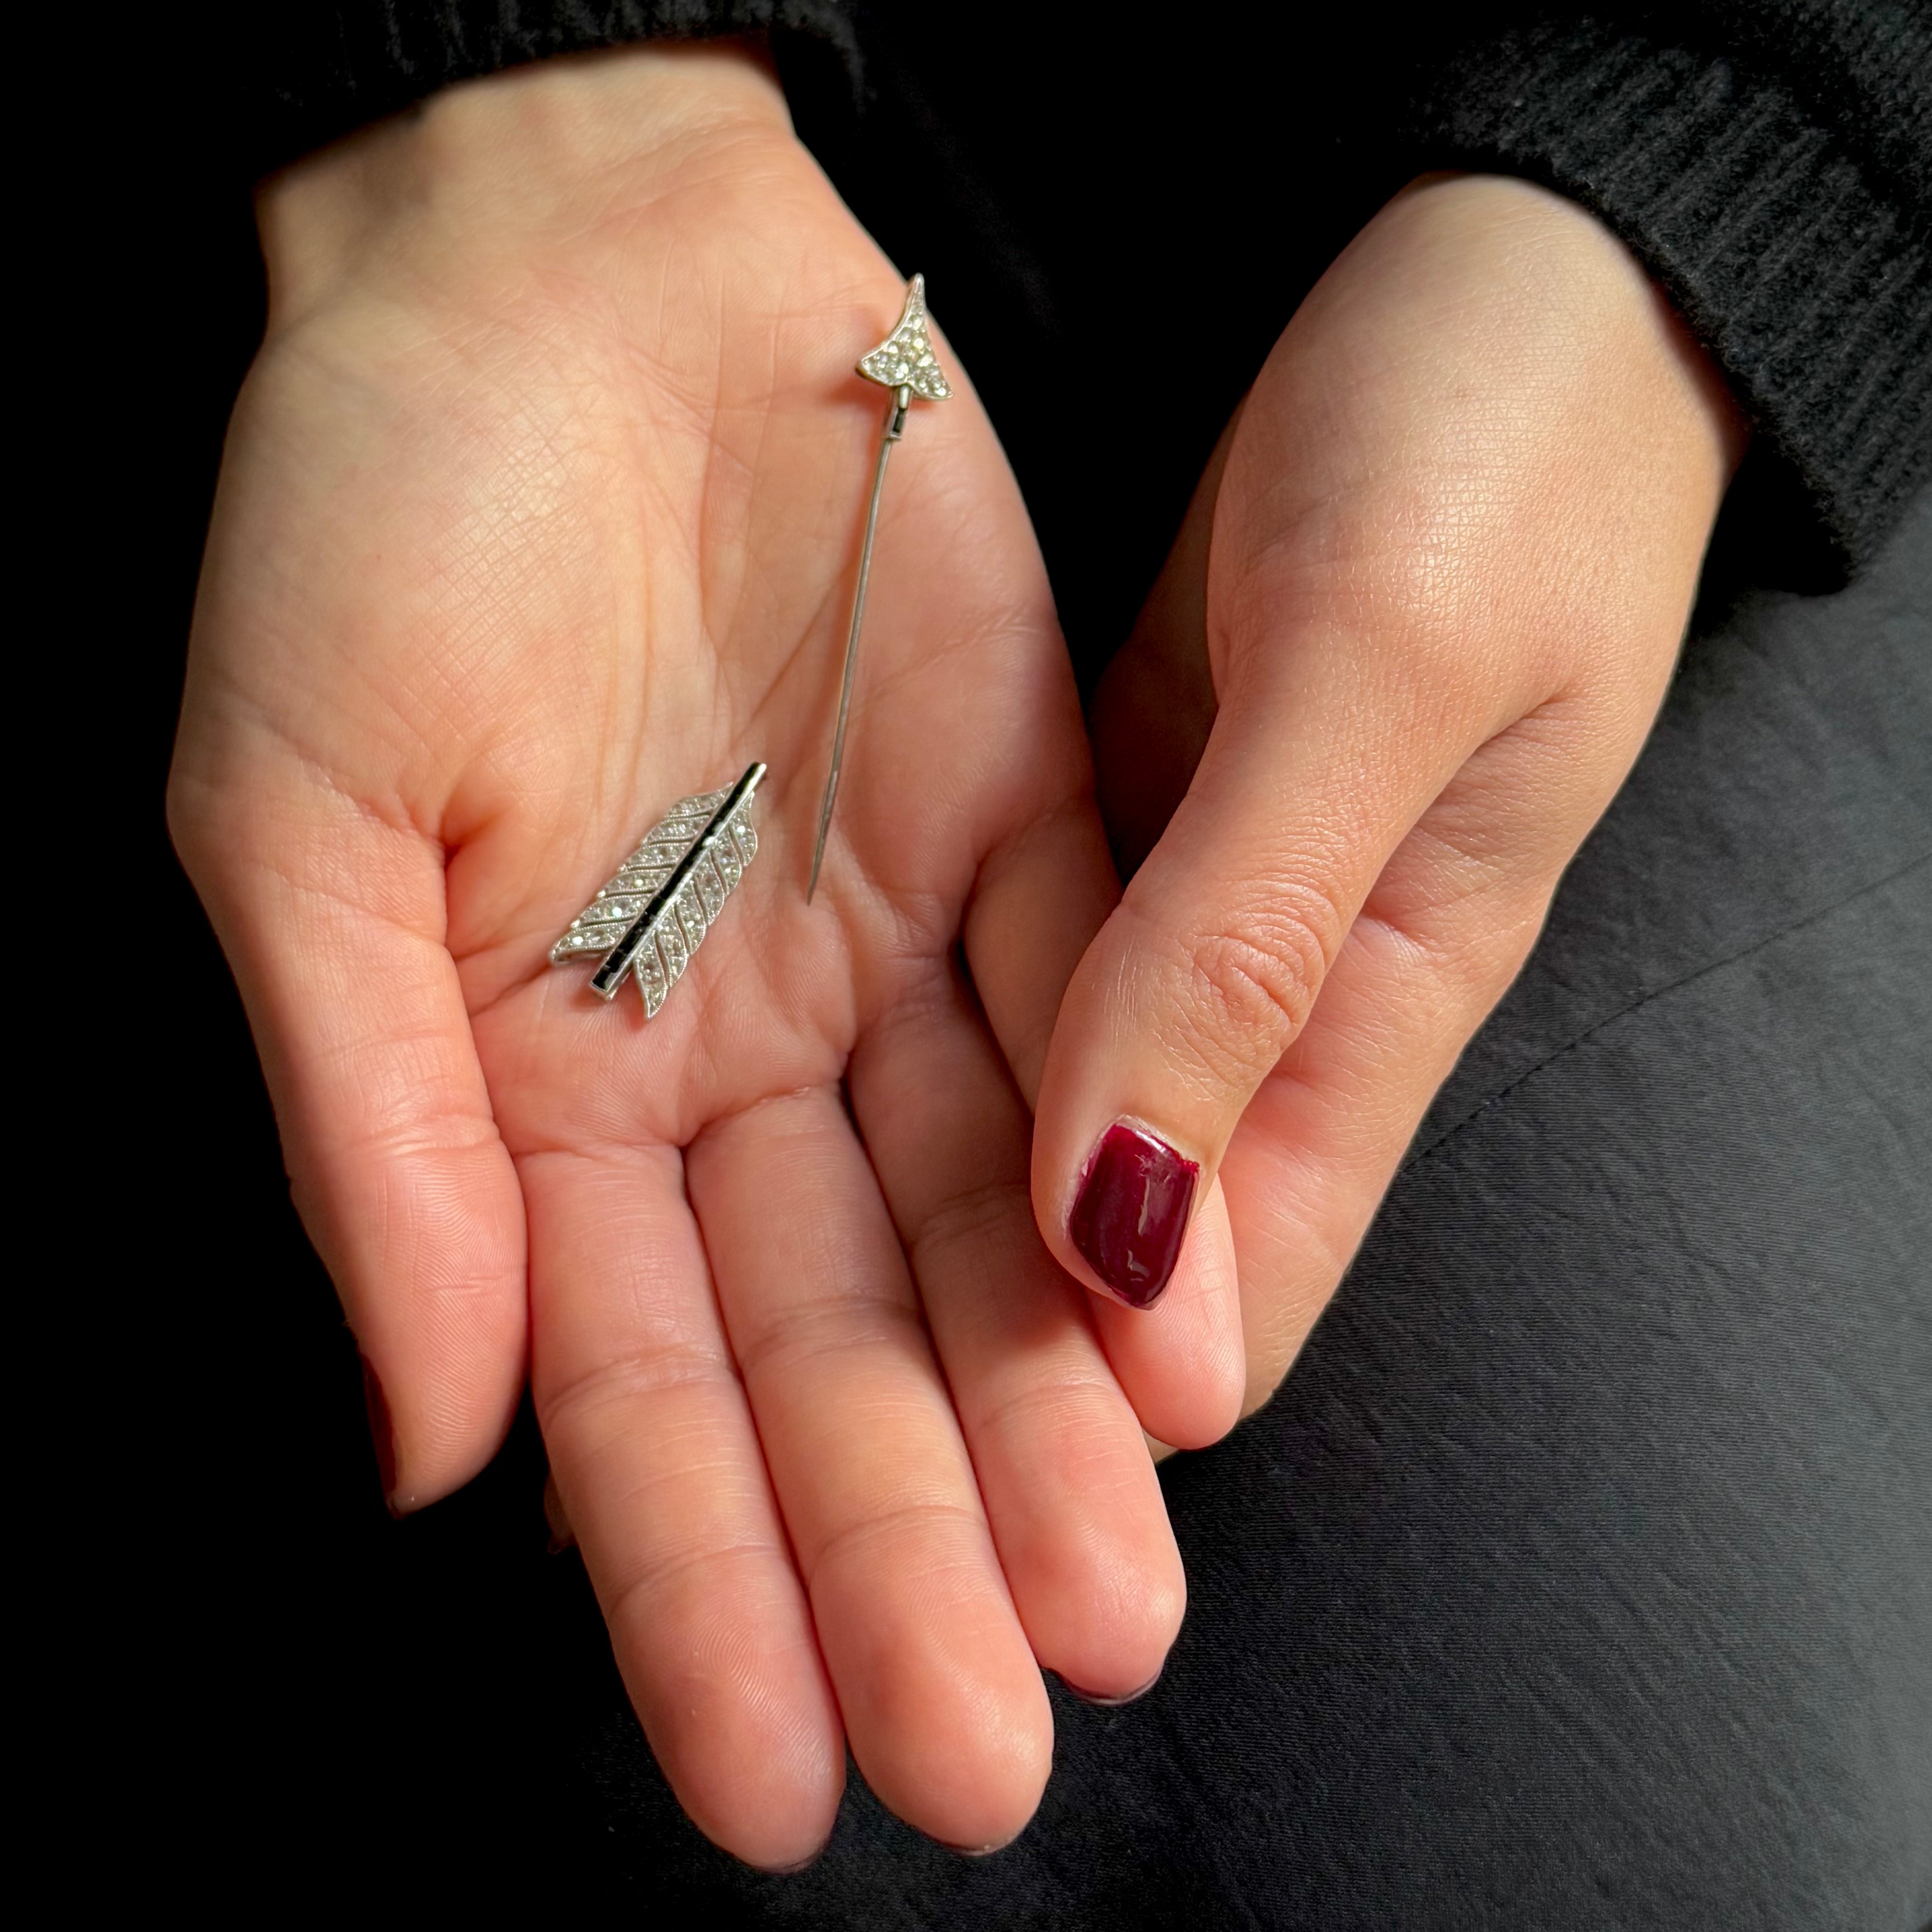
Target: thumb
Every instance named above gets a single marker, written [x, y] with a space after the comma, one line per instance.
[333, 923]
[1212, 962]
[1469, 489]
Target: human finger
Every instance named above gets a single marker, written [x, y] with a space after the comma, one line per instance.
[1040, 896]
[1441, 934]
[1040, 901]
[1076, 1511]
[1474, 479]
[333, 922]
[1215, 957]
[662, 1479]
[942, 1699]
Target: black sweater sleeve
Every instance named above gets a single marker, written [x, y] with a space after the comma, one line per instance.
[314, 70]
[1770, 162]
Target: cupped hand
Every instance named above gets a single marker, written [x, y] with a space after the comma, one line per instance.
[539, 511]
[1417, 622]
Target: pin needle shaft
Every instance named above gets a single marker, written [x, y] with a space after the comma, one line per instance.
[895, 428]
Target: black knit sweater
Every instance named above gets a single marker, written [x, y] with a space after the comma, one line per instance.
[1770, 162]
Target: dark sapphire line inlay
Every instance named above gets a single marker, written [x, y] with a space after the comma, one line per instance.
[609, 976]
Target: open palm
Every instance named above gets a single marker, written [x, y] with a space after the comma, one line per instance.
[539, 511]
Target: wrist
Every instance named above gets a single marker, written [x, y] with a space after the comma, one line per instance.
[1486, 412]
[532, 155]
[1548, 253]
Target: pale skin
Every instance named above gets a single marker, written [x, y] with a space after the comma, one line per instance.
[1413, 633]
[539, 509]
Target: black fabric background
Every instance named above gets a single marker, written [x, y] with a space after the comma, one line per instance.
[1581, 1575]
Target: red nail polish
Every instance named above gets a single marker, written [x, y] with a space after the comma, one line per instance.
[381, 1431]
[1131, 1212]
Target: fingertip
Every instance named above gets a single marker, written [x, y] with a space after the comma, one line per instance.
[1104, 1700]
[442, 1430]
[1127, 1623]
[434, 1283]
[1182, 1362]
[1036, 905]
[791, 1838]
[1013, 1778]
[745, 1731]
[792, 1869]
[970, 1764]
[382, 1432]
[789, 1842]
[435, 1424]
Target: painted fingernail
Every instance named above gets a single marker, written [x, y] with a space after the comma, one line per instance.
[1112, 1703]
[382, 1432]
[1131, 1215]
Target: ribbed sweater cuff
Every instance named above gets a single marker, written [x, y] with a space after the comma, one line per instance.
[1810, 287]
[318, 71]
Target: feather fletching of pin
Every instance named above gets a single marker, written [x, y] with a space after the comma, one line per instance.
[653, 916]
